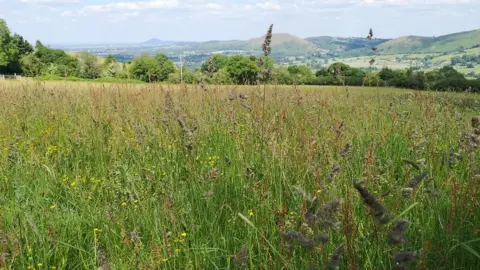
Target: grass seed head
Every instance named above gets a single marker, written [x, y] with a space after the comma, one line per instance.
[396, 236]
[336, 256]
[379, 211]
[267, 49]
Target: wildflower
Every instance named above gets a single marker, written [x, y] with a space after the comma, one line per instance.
[53, 206]
[135, 201]
[73, 184]
[164, 260]
[40, 265]
[177, 250]
[124, 204]
[53, 267]
[250, 212]
[184, 234]
[90, 198]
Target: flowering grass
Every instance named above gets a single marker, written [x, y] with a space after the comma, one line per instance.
[173, 177]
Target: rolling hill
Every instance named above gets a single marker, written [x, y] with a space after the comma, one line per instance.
[441, 44]
[284, 44]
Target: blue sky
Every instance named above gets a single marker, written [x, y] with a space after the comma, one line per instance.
[109, 21]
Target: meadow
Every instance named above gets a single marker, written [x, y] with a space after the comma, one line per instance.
[153, 176]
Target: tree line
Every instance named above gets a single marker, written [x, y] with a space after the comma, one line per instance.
[18, 56]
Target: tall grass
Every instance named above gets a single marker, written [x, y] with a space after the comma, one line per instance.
[160, 177]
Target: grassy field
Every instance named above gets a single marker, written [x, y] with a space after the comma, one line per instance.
[120, 176]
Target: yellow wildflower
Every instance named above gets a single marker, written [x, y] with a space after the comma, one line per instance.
[40, 265]
[250, 212]
[124, 204]
[53, 206]
[177, 250]
[90, 198]
[184, 234]
[73, 184]
[164, 260]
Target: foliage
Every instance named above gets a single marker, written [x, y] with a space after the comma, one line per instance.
[301, 74]
[152, 69]
[242, 70]
[89, 68]
[189, 77]
[12, 49]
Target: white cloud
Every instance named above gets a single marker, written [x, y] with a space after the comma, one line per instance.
[49, 2]
[124, 6]
[268, 5]
[215, 6]
[66, 14]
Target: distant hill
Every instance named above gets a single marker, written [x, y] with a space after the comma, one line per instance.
[284, 44]
[154, 42]
[157, 42]
[344, 47]
[417, 44]
[341, 44]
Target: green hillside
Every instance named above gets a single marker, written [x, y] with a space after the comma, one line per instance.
[441, 44]
[282, 44]
[341, 45]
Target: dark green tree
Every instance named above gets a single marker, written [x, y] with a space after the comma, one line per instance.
[152, 69]
[242, 70]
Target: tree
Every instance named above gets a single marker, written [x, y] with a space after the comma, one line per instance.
[281, 76]
[152, 69]
[110, 66]
[50, 61]
[31, 65]
[242, 70]
[23, 46]
[301, 74]
[214, 63]
[5, 44]
[89, 66]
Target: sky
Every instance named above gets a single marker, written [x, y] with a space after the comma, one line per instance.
[133, 21]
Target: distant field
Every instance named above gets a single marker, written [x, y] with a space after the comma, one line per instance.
[151, 176]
